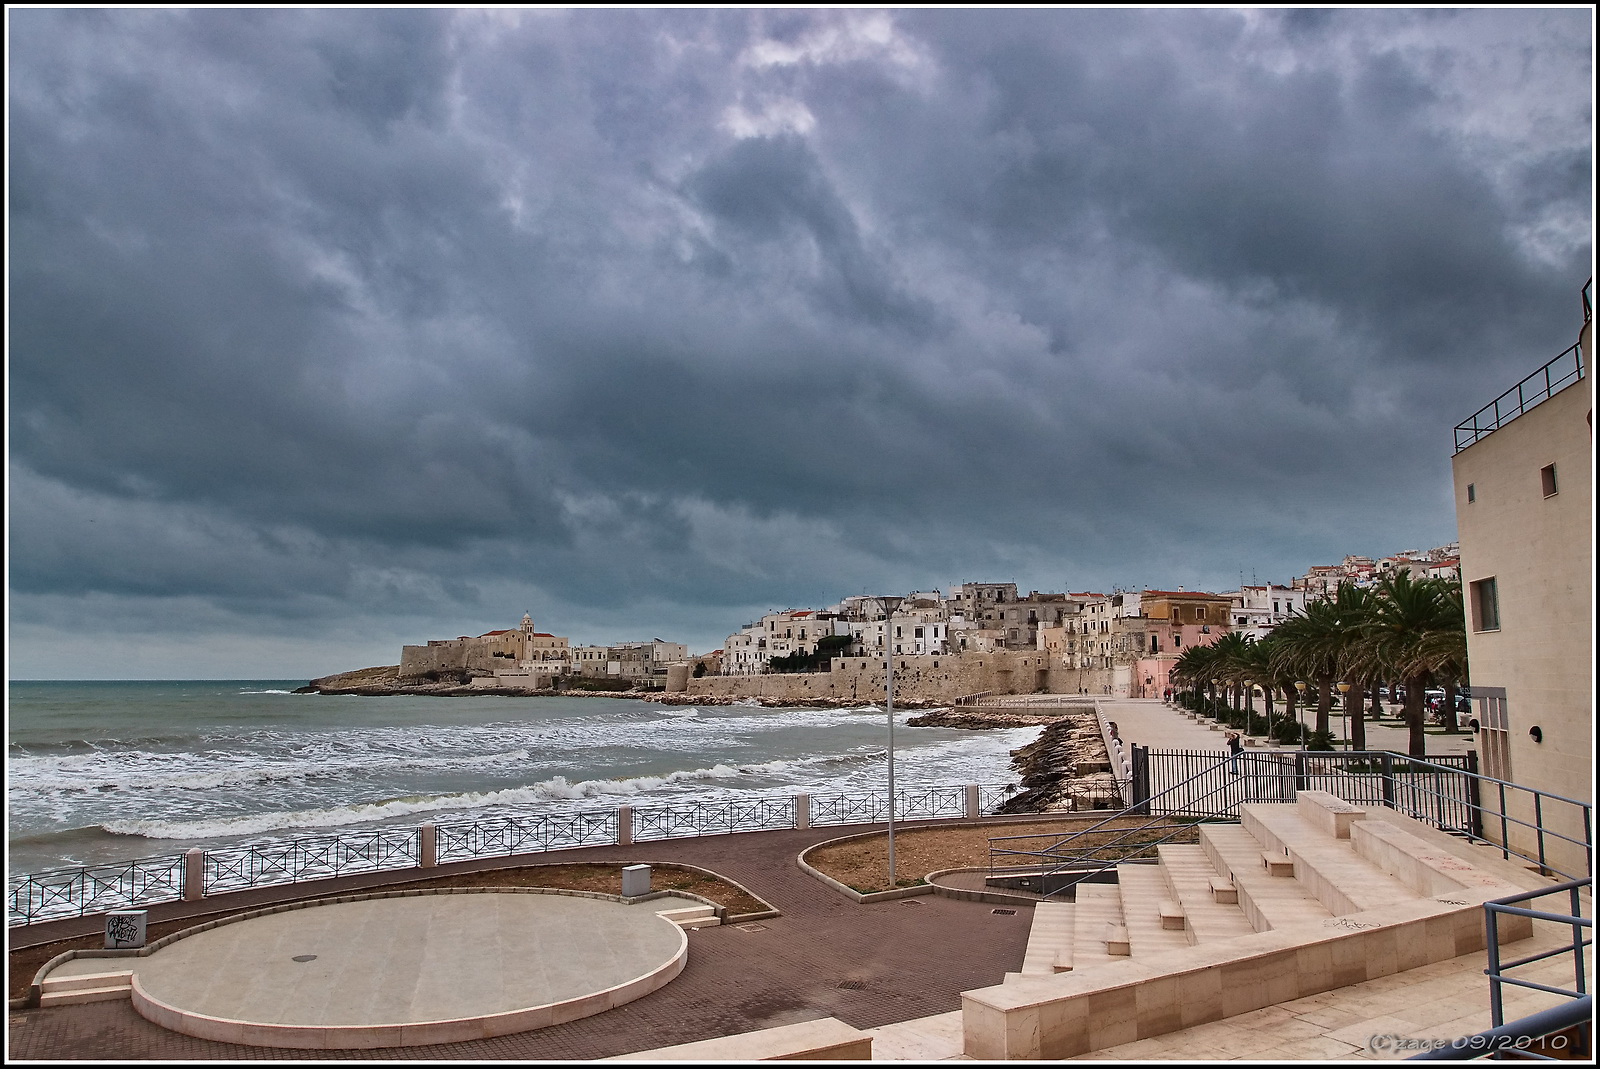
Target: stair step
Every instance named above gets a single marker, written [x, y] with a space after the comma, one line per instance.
[691, 916]
[1328, 867]
[1269, 902]
[77, 996]
[1208, 916]
[1144, 889]
[1049, 937]
[1098, 905]
[1172, 917]
[1116, 940]
[79, 981]
[1277, 863]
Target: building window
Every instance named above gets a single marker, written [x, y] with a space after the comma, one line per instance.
[1547, 479]
[1472, 493]
[1485, 605]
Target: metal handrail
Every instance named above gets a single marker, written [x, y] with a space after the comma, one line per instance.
[1512, 1038]
[1140, 807]
[1491, 417]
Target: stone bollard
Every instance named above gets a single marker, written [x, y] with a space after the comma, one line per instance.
[624, 825]
[635, 880]
[427, 845]
[802, 812]
[125, 928]
[974, 802]
[194, 874]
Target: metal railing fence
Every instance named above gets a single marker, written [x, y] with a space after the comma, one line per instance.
[1548, 1028]
[146, 881]
[313, 858]
[1445, 791]
[95, 889]
[504, 836]
[1530, 392]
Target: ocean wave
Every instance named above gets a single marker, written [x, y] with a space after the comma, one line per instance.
[266, 692]
[157, 772]
[557, 788]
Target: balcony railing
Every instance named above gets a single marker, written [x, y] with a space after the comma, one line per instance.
[1530, 392]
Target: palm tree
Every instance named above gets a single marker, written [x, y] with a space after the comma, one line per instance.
[1409, 632]
[1309, 646]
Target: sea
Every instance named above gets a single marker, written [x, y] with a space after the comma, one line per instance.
[107, 772]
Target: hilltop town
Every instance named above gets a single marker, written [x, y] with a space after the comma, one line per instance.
[979, 638]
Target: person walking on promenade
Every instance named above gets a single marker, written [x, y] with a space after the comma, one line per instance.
[1235, 748]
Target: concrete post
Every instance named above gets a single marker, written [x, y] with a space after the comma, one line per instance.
[194, 874]
[974, 803]
[624, 825]
[802, 812]
[427, 845]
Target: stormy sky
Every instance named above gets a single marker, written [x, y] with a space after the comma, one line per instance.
[332, 330]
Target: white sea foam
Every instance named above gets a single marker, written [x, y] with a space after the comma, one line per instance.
[555, 788]
[139, 771]
[266, 692]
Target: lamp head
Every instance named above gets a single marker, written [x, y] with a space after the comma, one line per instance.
[1344, 688]
[1300, 685]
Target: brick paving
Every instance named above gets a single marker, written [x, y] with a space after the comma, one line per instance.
[900, 960]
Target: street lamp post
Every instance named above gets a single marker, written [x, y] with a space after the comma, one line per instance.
[1344, 689]
[890, 604]
[1299, 711]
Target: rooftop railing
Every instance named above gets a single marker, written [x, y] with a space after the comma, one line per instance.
[1530, 392]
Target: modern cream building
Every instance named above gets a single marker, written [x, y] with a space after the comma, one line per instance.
[1523, 473]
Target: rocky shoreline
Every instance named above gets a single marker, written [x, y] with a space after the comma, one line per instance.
[1065, 768]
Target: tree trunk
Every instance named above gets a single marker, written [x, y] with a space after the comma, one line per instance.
[1376, 709]
[1416, 715]
[1324, 701]
[1448, 713]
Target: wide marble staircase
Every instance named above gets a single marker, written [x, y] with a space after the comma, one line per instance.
[1293, 900]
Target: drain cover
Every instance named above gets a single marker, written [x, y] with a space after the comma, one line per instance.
[1004, 912]
[751, 927]
[304, 957]
[852, 985]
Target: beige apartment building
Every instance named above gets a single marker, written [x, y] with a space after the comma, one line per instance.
[1523, 471]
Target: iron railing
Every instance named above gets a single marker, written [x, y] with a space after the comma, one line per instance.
[1531, 391]
[96, 889]
[1549, 1027]
[722, 817]
[147, 881]
[1444, 791]
[1086, 853]
[465, 840]
[309, 859]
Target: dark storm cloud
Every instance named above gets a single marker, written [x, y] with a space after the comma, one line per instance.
[650, 319]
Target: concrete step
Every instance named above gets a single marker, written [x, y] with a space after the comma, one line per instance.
[85, 987]
[1269, 903]
[1144, 890]
[1328, 867]
[1210, 916]
[925, 1039]
[1098, 908]
[113, 978]
[691, 916]
[1049, 939]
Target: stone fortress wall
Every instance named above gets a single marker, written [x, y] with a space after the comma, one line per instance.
[929, 678]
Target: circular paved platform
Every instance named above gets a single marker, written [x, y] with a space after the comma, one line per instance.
[406, 970]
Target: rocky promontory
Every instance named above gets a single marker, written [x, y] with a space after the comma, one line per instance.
[386, 680]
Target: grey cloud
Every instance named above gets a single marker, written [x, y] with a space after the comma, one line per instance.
[331, 313]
